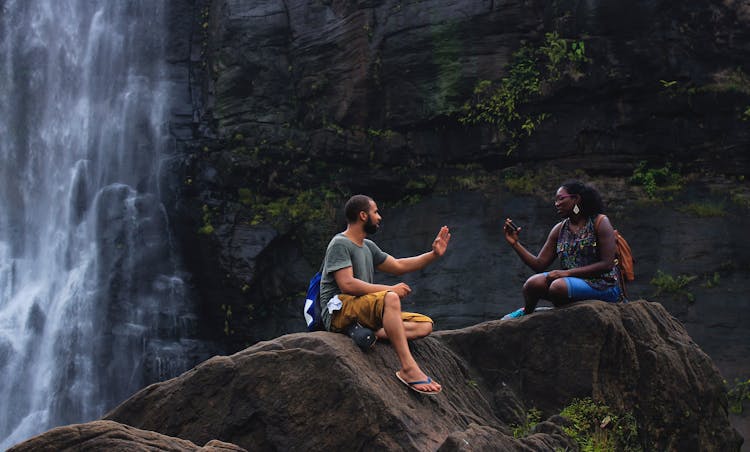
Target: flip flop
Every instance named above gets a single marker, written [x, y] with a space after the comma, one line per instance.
[411, 384]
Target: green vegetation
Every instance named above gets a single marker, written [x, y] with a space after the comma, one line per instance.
[204, 19]
[704, 209]
[368, 31]
[480, 180]
[739, 192]
[741, 199]
[711, 281]
[540, 181]
[526, 182]
[207, 228]
[667, 284]
[737, 395]
[228, 331]
[533, 417]
[530, 72]
[659, 183]
[593, 426]
[726, 81]
[446, 57]
[671, 88]
[666, 84]
[596, 428]
[378, 133]
[333, 127]
[730, 80]
[308, 205]
[422, 183]
[733, 81]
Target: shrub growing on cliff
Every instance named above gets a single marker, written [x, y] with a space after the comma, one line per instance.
[596, 428]
[307, 205]
[529, 72]
[533, 417]
[207, 228]
[667, 284]
[737, 395]
[657, 182]
[704, 209]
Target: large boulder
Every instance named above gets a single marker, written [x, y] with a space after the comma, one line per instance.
[317, 391]
[111, 436]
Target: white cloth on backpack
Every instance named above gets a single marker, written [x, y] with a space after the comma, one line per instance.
[334, 304]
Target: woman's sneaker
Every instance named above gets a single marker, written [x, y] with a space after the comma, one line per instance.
[515, 314]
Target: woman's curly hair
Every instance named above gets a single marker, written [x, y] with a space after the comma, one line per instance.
[591, 201]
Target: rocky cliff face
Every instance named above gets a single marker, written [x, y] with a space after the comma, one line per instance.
[317, 391]
[289, 107]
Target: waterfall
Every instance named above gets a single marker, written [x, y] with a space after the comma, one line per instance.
[93, 304]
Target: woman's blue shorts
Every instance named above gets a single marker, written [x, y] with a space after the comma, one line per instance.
[579, 289]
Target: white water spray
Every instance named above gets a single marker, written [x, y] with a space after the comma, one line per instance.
[92, 306]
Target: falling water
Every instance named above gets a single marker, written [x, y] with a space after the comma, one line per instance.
[92, 306]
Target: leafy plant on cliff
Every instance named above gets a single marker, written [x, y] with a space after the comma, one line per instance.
[227, 309]
[533, 417]
[540, 181]
[308, 205]
[738, 394]
[704, 209]
[675, 286]
[530, 71]
[657, 182]
[446, 58]
[711, 280]
[729, 80]
[207, 228]
[597, 428]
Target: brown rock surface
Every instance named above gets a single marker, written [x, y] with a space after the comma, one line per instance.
[316, 391]
[111, 436]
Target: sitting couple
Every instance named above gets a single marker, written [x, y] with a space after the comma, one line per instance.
[351, 303]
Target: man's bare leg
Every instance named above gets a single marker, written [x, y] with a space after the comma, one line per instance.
[413, 330]
[396, 333]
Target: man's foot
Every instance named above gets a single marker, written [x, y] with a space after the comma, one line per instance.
[515, 314]
[424, 385]
[363, 337]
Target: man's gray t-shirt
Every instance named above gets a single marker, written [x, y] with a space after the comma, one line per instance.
[342, 253]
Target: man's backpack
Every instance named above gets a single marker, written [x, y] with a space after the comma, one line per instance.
[313, 318]
[623, 254]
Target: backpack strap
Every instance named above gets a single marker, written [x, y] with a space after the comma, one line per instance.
[598, 220]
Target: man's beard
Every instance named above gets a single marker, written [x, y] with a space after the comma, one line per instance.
[370, 227]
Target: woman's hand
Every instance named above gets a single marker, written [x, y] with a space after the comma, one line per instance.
[557, 274]
[511, 233]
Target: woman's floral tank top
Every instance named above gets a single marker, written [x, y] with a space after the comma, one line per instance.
[579, 249]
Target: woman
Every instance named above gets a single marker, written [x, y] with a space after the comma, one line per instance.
[585, 243]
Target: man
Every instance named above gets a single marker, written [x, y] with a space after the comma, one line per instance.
[349, 298]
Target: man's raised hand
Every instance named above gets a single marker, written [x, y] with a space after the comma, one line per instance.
[440, 244]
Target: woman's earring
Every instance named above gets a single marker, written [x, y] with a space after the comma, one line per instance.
[576, 209]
